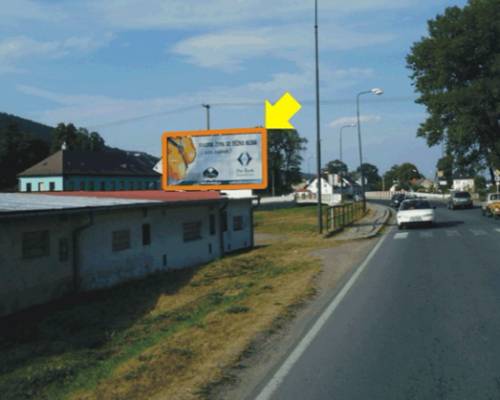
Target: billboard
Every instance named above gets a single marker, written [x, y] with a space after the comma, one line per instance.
[215, 159]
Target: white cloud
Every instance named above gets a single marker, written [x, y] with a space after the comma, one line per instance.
[353, 120]
[12, 12]
[229, 49]
[15, 49]
[182, 14]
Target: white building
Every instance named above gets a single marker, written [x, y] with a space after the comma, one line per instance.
[463, 184]
[53, 245]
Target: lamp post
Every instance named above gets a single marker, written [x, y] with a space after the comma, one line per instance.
[207, 107]
[341, 160]
[377, 92]
[318, 135]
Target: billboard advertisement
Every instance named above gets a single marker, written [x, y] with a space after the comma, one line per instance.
[215, 160]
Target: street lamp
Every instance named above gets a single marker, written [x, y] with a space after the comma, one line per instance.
[207, 106]
[341, 160]
[377, 92]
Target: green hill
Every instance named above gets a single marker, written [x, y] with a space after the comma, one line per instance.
[38, 130]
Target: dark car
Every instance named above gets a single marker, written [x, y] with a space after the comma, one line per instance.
[460, 200]
[397, 199]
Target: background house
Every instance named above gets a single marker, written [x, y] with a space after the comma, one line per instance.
[85, 170]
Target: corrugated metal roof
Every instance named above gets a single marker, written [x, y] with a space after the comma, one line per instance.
[27, 202]
[34, 202]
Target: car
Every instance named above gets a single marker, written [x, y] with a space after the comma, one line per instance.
[460, 200]
[490, 198]
[415, 212]
[493, 209]
[397, 199]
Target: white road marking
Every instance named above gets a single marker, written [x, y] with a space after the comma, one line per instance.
[401, 235]
[426, 235]
[294, 356]
[452, 233]
[478, 232]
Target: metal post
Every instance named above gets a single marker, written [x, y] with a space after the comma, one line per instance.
[207, 106]
[341, 174]
[360, 151]
[318, 135]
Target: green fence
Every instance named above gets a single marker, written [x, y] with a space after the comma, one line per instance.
[341, 215]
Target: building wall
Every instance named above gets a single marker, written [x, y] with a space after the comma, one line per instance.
[238, 239]
[28, 281]
[102, 267]
[37, 181]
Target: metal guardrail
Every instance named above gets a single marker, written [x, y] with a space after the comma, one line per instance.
[339, 216]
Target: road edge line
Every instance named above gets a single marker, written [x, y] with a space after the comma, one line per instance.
[273, 384]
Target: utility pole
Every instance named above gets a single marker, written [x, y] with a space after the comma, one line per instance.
[207, 106]
[318, 134]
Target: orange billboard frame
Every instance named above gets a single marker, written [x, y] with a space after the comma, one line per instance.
[215, 132]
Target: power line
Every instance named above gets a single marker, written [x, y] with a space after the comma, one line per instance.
[179, 110]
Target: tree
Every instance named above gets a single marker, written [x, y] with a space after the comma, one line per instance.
[456, 70]
[445, 165]
[284, 148]
[403, 175]
[76, 139]
[337, 167]
[18, 151]
[372, 177]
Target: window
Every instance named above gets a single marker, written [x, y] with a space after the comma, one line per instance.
[191, 231]
[113, 185]
[212, 224]
[146, 234]
[70, 186]
[36, 244]
[91, 185]
[131, 186]
[121, 240]
[82, 185]
[139, 185]
[52, 186]
[238, 223]
[155, 185]
[28, 187]
[122, 185]
[63, 249]
[103, 185]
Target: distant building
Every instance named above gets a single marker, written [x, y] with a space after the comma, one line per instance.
[463, 184]
[55, 244]
[69, 170]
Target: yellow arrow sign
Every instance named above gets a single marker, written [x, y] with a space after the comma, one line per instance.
[278, 115]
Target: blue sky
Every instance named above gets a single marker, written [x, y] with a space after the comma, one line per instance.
[105, 64]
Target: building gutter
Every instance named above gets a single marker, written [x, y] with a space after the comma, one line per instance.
[76, 250]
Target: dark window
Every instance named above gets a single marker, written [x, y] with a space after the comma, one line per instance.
[146, 234]
[155, 185]
[82, 185]
[462, 195]
[70, 186]
[212, 224]
[131, 185]
[103, 185]
[210, 248]
[36, 244]
[63, 249]
[164, 260]
[139, 185]
[122, 185]
[91, 185]
[191, 231]
[113, 185]
[238, 223]
[28, 187]
[224, 221]
[121, 240]
[415, 205]
[52, 186]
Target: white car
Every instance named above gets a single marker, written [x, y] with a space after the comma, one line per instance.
[415, 212]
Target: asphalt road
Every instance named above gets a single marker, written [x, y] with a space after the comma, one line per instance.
[422, 321]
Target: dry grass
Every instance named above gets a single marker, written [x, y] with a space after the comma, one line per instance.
[161, 338]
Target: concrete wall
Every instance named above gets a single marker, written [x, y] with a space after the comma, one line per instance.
[100, 266]
[72, 183]
[44, 180]
[28, 281]
[238, 240]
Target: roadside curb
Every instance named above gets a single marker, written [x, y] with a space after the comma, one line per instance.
[377, 226]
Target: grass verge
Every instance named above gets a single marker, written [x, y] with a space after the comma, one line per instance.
[167, 336]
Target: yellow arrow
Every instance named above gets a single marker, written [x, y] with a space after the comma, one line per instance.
[278, 115]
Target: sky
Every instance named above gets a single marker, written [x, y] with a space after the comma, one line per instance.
[132, 69]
